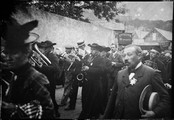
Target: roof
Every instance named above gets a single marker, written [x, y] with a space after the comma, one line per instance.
[166, 34]
[141, 34]
[109, 25]
[143, 43]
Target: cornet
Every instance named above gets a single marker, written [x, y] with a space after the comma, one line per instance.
[38, 58]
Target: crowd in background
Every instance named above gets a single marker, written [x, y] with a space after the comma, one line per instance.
[30, 79]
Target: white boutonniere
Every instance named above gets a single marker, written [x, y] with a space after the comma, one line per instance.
[91, 64]
[132, 79]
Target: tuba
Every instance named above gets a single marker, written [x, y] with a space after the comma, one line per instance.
[37, 57]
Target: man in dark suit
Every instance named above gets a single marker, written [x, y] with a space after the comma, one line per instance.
[117, 63]
[124, 100]
[154, 57]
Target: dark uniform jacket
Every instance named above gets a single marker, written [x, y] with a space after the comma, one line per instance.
[51, 71]
[30, 85]
[91, 90]
[124, 100]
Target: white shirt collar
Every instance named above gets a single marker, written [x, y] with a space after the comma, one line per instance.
[139, 64]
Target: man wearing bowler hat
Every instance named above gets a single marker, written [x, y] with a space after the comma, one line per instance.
[130, 83]
[27, 89]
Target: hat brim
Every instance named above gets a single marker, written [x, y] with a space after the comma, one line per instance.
[83, 44]
[152, 100]
[32, 37]
[107, 49]
[45, 45]
[96, 47]
[142, 97]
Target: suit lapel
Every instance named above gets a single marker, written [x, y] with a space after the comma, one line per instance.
[139, 73]
[125, 77]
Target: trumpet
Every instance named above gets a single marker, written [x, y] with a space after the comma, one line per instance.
[38, 58]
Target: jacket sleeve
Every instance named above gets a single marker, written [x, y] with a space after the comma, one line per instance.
[97, 67]
[111, 103]
[163, 106]
[42, 94]
[54, 66]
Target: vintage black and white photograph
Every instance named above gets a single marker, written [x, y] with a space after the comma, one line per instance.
[86, 59]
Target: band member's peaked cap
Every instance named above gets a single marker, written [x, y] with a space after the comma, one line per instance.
[17, 36]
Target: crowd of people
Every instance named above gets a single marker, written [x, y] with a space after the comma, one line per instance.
[112, 80]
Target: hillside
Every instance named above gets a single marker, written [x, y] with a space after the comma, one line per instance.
[164, 25]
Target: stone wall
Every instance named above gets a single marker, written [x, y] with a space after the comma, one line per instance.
[63, 30]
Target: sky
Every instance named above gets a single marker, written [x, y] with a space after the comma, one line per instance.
[160, 10]
[151, 10]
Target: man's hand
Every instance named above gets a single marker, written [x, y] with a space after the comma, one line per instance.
[148, 114]
[85, 68]
[113, 63]
[168, 86]
[6, 105]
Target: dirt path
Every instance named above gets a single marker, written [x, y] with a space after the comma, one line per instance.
[72, 114]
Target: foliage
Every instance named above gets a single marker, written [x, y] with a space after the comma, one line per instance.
[75, 9]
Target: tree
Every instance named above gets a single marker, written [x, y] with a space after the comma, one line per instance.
[75, 9]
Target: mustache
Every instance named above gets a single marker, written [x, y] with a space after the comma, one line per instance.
[126, 61]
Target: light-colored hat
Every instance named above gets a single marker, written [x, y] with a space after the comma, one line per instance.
[148, 99]
[80, 43]
[69, 47]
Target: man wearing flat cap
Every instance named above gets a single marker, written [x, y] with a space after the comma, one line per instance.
[157, 63]
[52, 70]
[91, 89]
[27, 89]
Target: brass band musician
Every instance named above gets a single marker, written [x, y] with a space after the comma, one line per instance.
[91, 90]
[27, 90]
[77, 75]
[71, 61]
